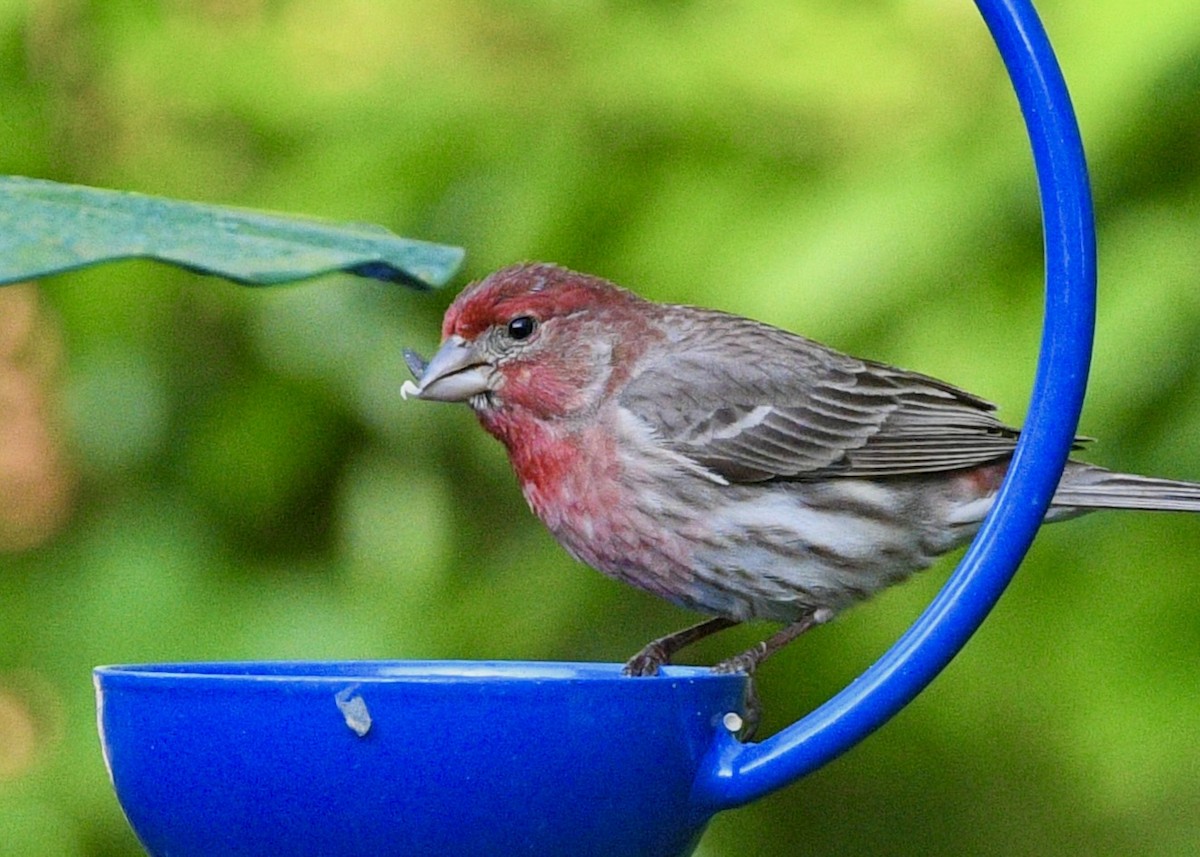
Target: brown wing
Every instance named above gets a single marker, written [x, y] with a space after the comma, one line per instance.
[752, 403]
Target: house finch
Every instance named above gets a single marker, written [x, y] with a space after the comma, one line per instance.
[728, 466]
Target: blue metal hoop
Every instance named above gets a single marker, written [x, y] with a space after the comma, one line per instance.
[745, 772]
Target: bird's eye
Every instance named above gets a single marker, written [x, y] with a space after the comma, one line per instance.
[522, 327]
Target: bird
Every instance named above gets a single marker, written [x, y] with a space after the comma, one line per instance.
[729, 466]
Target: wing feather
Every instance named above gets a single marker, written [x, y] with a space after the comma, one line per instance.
[795, 409]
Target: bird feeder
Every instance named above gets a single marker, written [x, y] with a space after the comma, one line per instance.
[491, 758]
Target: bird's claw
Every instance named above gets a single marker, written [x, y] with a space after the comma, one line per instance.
[747, 662]
[646, 662]
[746, 724]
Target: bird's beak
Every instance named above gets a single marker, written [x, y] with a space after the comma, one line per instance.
[454, 374]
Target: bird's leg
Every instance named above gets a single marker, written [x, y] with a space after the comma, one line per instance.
[749, 660]
[658, 652]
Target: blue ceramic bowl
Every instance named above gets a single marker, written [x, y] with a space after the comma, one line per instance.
[411, 758]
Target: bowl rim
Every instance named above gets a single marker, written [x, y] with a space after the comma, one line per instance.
[399, 671]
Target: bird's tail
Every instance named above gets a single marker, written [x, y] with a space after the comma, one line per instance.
[1085, 486]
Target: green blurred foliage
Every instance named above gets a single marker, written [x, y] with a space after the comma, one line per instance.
[253, 487]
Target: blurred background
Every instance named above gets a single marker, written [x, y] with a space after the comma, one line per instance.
[191, 469]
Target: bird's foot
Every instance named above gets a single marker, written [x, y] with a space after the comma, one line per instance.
[746, 662]
[657, 653]
[745, 725]
[648, 660]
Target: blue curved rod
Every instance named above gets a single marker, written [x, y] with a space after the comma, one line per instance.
[739, 773]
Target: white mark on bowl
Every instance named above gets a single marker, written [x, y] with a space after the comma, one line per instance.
[354, 709]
